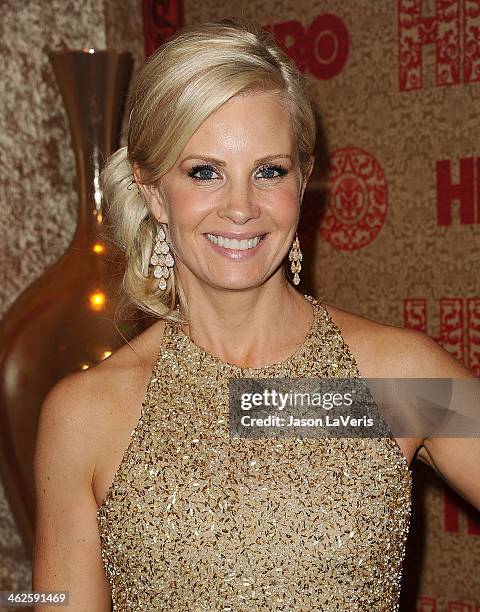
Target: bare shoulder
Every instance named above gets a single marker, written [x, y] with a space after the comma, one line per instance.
[90, 405]
[389, 351]
[384, 350]
[370, 341]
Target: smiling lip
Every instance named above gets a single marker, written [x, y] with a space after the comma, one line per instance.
[236, 235]
[237, 254]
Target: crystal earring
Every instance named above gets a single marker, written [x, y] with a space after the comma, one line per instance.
[295, 256]
[161, 258]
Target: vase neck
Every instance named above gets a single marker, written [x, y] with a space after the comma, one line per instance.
[91, 213]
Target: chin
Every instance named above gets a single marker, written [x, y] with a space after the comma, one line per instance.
[237, 284]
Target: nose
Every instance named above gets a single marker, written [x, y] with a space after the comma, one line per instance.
[239, 204]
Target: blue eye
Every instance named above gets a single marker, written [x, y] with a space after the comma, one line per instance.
[269, 171]
[204, 171]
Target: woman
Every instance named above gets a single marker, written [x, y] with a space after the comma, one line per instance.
[142, 493]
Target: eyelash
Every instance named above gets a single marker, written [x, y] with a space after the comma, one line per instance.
[279, 169]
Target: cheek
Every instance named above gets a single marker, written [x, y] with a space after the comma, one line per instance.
[283, 206]
[187, 207]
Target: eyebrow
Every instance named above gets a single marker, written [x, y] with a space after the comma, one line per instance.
[219, 162]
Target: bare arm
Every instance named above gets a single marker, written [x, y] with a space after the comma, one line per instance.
[456, 460]
[67, 554]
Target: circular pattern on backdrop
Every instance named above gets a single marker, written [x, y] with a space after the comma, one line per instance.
[358, 199]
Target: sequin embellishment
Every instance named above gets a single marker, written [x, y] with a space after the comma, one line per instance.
[196, 521]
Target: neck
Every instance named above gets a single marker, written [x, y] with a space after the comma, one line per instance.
[248, 327]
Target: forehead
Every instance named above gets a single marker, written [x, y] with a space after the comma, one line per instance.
[257, 123]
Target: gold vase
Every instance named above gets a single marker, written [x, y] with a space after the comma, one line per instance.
[64, 321]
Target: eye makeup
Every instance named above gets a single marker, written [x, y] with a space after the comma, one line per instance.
[202, 168]
[281, 171]
[269, 169]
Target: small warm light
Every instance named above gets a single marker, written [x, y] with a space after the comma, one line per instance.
[106, 354]
[97, 300]
[88, 50]
[85, 366]
[98, 248]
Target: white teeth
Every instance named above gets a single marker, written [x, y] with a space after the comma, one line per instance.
[233, 243]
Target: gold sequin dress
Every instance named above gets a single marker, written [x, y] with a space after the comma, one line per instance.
[198, 521]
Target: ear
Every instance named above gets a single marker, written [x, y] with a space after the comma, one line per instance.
[308, 172]
[153, 196]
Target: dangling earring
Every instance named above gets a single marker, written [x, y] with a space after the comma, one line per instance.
[161, 258]
[295, 256]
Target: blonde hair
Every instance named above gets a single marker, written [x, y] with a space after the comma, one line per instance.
[179, 86]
